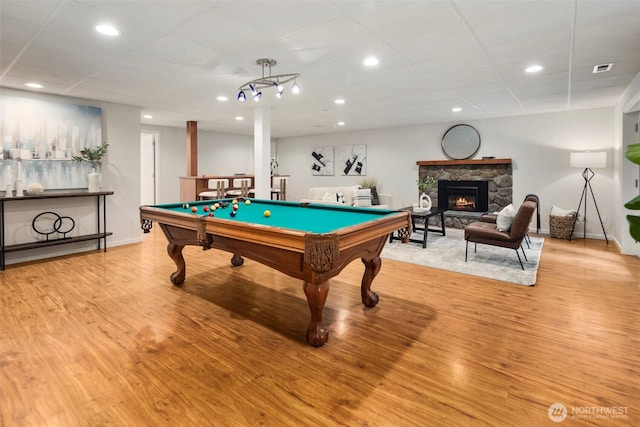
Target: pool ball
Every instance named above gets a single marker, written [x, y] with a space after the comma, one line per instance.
[247, 202]
[234, 201]
[217, 205]
[194, 209]
[205, 208]
[267, 213]
[213, 207]
[186, 206]
[235, 207]
[232, 213]
[210, 213]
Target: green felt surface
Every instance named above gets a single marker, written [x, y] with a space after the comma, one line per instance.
[313, 218]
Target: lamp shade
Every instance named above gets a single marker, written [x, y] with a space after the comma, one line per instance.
[592, 160]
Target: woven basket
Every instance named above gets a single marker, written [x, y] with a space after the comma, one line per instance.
[560, 226]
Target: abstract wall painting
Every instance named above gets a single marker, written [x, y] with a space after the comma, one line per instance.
[43, 137]
[353, 159]
[322, 160]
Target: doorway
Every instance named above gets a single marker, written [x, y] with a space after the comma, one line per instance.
[149, 147]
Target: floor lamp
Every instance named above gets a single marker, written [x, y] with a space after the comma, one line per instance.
[588, 161]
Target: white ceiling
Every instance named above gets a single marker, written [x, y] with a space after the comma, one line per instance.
[173, 58]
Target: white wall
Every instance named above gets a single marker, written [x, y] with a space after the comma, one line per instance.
[538, 144]
[120, 173]
[218, 154]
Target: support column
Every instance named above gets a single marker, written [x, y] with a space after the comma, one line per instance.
[192, 148]
[262, 151]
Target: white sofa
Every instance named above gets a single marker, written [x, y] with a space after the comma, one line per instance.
[345, 195]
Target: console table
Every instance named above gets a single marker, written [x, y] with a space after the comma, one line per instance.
[100, 235]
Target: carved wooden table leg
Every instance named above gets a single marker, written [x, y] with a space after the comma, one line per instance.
[317, 334]
[372, 267]
[237, 260]
[404, 234]
[175, 253]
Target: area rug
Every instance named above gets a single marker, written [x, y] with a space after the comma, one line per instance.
[447, 253]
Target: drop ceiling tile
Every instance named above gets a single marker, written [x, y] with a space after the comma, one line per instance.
[293, 17]
[399, 22]
[34, 12]
[479, 76]
[163, 14]
[224, 32]
[524, 20]
[531, 49]
[468, 60]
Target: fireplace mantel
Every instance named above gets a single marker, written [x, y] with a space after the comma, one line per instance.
[464, 162]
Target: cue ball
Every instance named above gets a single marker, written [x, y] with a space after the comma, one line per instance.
[247, 202]
[267, 213]
[232, 213]
[194, 209]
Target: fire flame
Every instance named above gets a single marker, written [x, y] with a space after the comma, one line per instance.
[462, 202]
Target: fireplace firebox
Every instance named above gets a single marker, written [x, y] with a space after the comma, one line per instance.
[469, 196]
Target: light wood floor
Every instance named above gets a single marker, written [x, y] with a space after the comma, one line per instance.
[105, 339]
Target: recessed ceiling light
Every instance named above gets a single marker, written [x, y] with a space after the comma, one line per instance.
[340, 123]
[534, 68]
[371, 61]
[239, 118]
[222, 98]
[456, 109]
[339, 101]
[148, 116]
[107, 30]
[34, 85]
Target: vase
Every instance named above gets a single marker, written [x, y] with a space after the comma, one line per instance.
[425, 202]
[94, 181]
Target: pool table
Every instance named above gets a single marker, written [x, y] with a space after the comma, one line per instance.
[311, 242]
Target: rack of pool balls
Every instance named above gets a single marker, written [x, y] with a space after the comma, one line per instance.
[209, 210]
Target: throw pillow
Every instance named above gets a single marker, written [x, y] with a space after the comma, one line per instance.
[556, 211]
[328, 197]
[505, 218]
[363, 198]
[340, 197]
[375, 200]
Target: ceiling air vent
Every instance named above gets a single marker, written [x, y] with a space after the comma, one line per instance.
[602, 68]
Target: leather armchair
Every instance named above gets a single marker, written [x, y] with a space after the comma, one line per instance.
[487, 233]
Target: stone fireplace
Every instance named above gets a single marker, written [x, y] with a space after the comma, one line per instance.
[489, 182]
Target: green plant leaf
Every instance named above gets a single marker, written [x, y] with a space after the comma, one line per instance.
[633, 153]
[634, 226]
[633, 204]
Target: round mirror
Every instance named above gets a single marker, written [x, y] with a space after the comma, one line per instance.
[461, 142]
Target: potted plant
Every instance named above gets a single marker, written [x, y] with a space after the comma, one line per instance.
[633, 154]
[425, 184]
[93, 156]
[372, 184]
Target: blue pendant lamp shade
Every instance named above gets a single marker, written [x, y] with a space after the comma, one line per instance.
[267, 81]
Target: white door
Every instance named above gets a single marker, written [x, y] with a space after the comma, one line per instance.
[149, 141]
